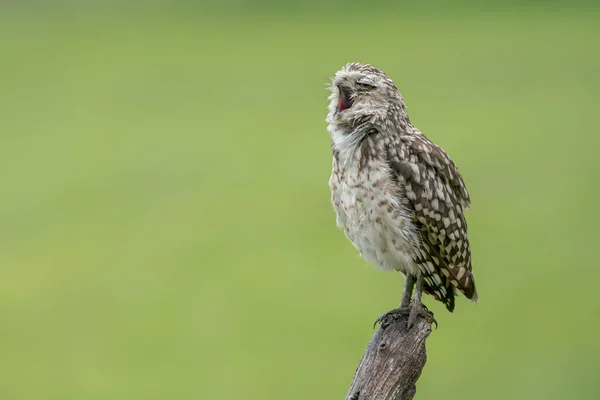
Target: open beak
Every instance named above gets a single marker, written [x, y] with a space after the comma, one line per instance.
[344, 100]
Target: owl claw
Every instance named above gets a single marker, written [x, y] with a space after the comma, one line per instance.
[412, 311]
[386, 319]
[420, 310]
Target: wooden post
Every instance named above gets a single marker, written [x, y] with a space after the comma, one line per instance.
[392, 363]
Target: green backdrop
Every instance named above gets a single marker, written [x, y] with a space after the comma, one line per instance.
[165, 226]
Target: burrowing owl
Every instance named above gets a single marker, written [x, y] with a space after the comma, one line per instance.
[397, 196]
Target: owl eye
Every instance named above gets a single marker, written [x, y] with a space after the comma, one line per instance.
[365, 84]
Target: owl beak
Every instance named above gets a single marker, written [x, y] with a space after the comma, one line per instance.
[344, 100]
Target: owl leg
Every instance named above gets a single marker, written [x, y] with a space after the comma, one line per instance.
[404, 309]
[416, 307]
[409, 283]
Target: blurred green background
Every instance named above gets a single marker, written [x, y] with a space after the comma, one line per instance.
[165, 226]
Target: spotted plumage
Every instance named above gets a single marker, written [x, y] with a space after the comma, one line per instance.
[398, 197]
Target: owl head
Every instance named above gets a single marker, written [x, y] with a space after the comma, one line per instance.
[362, 93]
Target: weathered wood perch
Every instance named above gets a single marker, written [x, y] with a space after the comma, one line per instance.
[392, 363]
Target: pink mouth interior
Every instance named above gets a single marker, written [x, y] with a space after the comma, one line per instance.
[343, 104]
[344, 101]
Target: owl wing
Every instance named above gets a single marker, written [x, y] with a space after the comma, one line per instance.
[435, 193]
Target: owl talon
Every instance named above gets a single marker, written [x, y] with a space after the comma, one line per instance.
[420, 310]
[386, 319]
